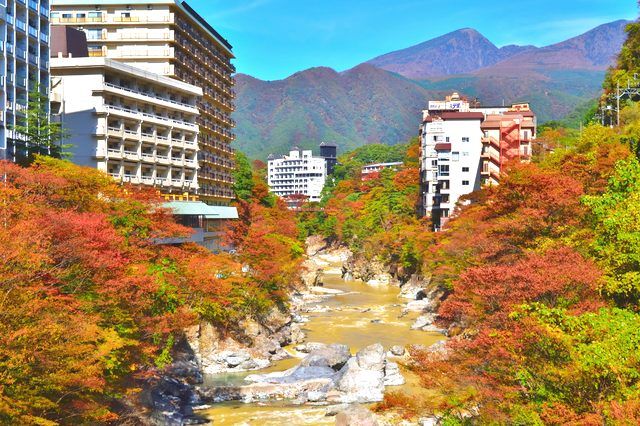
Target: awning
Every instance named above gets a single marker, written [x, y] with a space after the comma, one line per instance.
[198, 208]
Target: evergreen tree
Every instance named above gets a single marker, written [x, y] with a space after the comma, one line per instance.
[39, 133]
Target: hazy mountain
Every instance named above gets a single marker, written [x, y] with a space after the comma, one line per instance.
[368, 104]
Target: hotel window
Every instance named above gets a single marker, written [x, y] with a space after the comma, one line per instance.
[465, 139]
[94, 34]
[465, 169]
[465, 183]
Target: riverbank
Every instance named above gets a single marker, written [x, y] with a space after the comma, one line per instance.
[334, 311]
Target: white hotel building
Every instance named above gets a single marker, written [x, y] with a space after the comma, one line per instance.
[299, 173]
[135, 125]
[465, 147]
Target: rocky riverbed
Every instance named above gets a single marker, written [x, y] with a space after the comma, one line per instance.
[356, 332]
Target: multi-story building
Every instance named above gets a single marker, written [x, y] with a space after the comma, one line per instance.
[297, 174]
[168, 37]
[24, 66]
[464, 147]
[329, 151]
[370, 171]
[137, 126]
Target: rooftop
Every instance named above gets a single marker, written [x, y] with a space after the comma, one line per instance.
[106, 63]
[183, 5]
[198, 208]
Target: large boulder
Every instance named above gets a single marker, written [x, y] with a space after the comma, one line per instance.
[362, 377]
[372, 357]
[334, 356]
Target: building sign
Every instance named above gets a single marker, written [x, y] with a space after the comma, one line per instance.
[437, 105]
[447, 106]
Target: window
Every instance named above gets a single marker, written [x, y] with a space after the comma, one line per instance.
[94, 34]
[67, 16]
[465, 183]
[81, 15]
[455, 156]
[465, 139]
[434, 163]
[95, 15]
[444, 170]
[465, 169]
[465, 153]
[55, 15]
[448, 139]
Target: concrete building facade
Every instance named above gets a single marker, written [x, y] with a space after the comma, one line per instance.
[24, 65]
[464, 147]
[297, 174]
[168, 37]
[136, 126]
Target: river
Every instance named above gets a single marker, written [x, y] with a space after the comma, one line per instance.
[361, 316]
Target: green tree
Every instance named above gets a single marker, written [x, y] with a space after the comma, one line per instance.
[40, 134]
[243, 176]
[616, 220]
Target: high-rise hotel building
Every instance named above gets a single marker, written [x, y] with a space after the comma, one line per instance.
[169, 38]
[24, 65]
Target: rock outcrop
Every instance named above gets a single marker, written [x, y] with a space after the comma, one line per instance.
[255, 347]
[327, 374]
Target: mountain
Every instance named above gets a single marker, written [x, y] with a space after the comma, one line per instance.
[593, 50]
[362, 105]
[369, 104]
[458, 52]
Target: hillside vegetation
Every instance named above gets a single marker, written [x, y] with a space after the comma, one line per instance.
[541, 276]
[90, 304]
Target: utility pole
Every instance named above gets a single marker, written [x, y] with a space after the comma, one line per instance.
[618, 103]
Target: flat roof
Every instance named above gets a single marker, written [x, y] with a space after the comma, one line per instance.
[198, 208]
[462, 116]
[397, 163]
[184, 6]
[102, 62]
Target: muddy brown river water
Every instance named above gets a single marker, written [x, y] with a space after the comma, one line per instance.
[361, 316]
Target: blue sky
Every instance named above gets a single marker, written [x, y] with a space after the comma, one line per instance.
[272, 39]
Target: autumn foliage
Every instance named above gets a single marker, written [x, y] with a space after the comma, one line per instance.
[89, 300]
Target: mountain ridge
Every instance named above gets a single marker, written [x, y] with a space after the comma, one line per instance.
[369, 104]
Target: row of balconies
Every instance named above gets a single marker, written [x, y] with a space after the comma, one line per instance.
[220, 177]
[207, 157]
[205, 43]
[215, 191]
[130, 36]
[206, 64]
[121, 154]
[137, 135]
[208, 141]
[105, 18]
[154, 181]
[151, 94]
[130, 111]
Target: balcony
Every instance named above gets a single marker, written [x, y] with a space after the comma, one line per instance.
[131, 155]
[147, 95]
[135, 114]
[115, 154]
